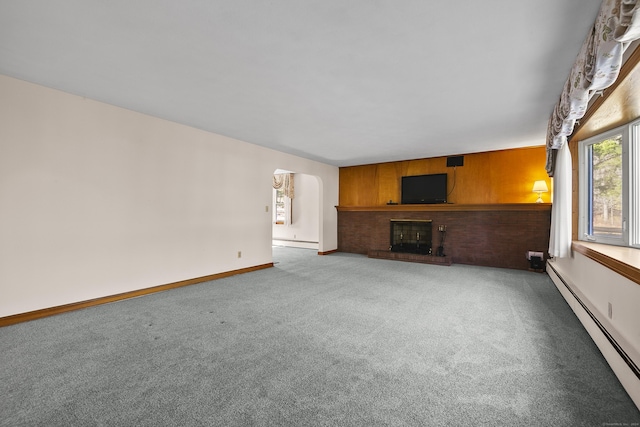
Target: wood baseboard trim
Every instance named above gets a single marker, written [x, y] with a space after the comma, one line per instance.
[51, 311]
[327, 252]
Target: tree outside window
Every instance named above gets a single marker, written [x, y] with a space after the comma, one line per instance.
[606, 187]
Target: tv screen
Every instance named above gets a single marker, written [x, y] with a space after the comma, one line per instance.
[424, 189]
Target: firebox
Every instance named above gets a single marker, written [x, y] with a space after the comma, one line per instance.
[411, 235]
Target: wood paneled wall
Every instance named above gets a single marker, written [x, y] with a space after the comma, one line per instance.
[505, 176]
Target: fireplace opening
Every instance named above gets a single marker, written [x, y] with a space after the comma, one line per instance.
[411, 236]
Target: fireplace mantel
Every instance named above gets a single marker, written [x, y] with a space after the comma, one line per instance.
[449, 207]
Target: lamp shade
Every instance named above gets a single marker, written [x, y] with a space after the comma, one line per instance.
[540, 187]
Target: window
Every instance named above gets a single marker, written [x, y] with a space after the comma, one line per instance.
[610, 187]
[281, 207]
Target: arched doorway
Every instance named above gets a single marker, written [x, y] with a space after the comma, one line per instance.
[296, 221]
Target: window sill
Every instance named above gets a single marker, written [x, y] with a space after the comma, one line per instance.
[623, 260]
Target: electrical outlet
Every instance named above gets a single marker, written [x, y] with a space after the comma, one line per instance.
[266, 208]
[610, 312]
[239, 254]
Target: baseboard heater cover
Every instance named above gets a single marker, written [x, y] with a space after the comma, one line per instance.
[630, 363]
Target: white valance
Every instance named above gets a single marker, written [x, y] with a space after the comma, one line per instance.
[596, 68]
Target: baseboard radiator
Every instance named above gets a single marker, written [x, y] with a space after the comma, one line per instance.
[625, 368]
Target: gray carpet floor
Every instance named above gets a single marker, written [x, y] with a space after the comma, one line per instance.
[339, 340]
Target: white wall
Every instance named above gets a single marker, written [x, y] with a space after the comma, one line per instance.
[597, 286]
[305, 219]
[97, 200]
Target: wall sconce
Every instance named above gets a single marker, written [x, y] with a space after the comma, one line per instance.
[540, 187]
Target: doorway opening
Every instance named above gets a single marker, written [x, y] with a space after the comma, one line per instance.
[296, 211]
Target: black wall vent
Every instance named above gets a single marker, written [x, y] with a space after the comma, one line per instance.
[455, 161]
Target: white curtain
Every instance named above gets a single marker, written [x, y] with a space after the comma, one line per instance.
[560, 238]
[596, 67]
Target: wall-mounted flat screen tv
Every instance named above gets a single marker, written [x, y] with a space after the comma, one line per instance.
[424, 189]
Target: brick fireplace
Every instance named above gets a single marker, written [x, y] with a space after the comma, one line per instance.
[491, 235]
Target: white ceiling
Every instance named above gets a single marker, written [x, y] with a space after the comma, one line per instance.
[342, 82]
